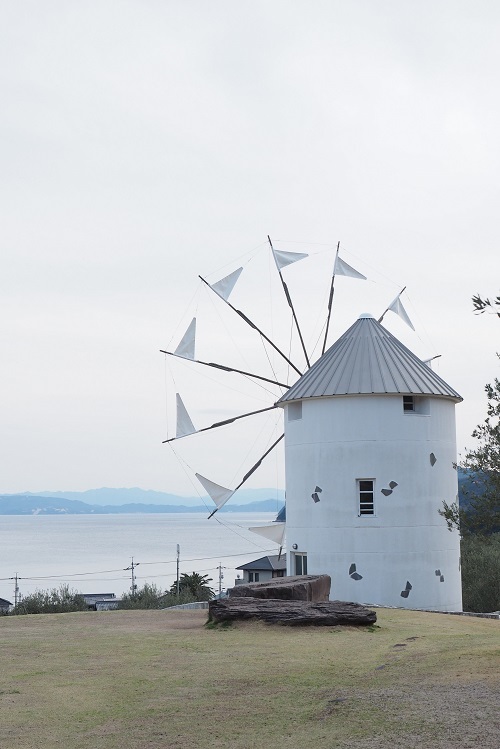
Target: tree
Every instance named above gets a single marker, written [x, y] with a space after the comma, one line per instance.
[480, 559]
[480, 510]
[196, 585]
[480, 304]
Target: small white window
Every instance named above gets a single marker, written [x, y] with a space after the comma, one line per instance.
[295, 411]
[300, 564]
[366, 491]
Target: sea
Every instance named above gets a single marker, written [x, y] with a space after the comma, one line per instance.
[92, 553]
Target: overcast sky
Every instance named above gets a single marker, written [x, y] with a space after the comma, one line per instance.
[145, 142]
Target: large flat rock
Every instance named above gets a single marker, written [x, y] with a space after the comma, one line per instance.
[293, 588]
[290, 613]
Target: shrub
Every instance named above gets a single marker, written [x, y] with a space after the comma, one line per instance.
[55, 601]
[151, 597]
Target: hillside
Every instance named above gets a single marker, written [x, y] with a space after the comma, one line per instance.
[151, 679]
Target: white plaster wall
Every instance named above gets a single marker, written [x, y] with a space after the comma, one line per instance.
[341, 439]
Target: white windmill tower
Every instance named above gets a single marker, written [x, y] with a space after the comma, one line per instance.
[370, 448]
[369, 451]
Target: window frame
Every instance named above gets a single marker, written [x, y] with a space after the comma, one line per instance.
[409, 404]
[361, 494]
[302, 555]
[420, 405]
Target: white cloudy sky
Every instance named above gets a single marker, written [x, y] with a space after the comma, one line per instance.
[145, 142]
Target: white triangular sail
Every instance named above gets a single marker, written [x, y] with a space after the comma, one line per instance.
[225, 286]
[397, 307]
[341, 268]
[186, 345]
[218, 493]
[184, 424]
[282, 259]
[274, 532]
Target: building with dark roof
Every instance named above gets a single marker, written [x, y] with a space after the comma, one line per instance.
[262, 569]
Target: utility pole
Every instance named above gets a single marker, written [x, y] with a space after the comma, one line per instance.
[17, 597]
[178, 560]
[221, 577]
[16, 591]
[132, 567]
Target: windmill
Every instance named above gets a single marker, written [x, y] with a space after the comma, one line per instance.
[362, 499]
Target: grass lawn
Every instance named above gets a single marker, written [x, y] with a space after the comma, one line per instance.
[144, 679]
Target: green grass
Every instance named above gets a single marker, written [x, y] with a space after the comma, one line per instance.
[144, 679]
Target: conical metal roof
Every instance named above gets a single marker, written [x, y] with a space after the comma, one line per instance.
[367, 359]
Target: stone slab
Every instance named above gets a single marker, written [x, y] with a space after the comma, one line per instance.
[290, 613]
[292, 588]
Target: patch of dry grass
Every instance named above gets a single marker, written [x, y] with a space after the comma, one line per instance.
[144, 679]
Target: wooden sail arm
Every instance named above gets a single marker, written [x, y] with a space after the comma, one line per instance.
[254, 326]
[290, 304]
[221, 423]
[252, 470]
[228, 369]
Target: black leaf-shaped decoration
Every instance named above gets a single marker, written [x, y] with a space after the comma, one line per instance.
[353, 574]
[433, 459]
[393, 484]
[406, 592]
[386, 492]
[315, 497]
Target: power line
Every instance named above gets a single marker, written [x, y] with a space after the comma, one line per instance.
[62, 576]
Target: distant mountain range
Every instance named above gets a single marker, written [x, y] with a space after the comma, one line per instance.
[126, 501]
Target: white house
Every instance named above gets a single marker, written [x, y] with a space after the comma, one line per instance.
[370, 448]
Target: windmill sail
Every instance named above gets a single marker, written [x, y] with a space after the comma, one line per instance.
[274, 532]
[184, 424]
[219, 494]
[225, 286]
[185, 349]
[397, 307]
[282, 259]
[341, 268]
